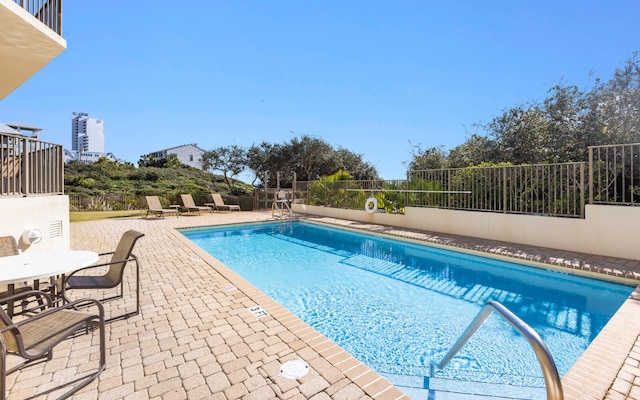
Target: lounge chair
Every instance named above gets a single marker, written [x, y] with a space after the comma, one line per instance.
[219, 205]
[190, 205]
[34, 338]
[155, 207]
[113, 277]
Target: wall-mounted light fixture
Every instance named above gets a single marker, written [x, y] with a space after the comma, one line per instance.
[31, 236]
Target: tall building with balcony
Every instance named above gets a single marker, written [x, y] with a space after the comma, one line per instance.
[32, 171]
[87, 134]
[87, 140]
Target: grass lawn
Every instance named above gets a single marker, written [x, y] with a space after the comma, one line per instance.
[79, 216]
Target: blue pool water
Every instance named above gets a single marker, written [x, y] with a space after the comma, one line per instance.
[397, 306]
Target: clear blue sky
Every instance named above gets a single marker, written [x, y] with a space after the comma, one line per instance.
[369, 76]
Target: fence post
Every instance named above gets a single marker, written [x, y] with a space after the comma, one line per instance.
[590, 174]
[26, 168]
[582, 213]
[406, 193]
[293, 189]
[504, 189]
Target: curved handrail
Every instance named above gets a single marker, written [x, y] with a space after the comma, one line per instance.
[549, 370]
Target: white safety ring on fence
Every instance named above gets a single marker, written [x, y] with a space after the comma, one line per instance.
[371, 205]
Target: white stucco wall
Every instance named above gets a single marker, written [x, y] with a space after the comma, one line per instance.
[48, 214]
[606, 230]
[189, 155]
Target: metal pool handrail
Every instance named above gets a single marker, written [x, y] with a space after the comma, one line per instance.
[549, 370]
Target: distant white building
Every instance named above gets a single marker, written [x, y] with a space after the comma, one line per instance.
[87, 134]
[87, 157]
[87, 140]
[25, 129]
[188, 154]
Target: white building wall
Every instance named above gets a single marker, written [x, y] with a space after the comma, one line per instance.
[87, 157]
[95, 136]
[87, 134]
[78, 130]
[189, 155]
[48, 214]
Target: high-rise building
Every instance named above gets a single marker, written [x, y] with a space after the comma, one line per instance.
[87, 134]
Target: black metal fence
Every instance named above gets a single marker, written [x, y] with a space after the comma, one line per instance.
[49, 12]
[614, 174]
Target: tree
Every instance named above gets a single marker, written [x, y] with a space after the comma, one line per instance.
[258, 159]
[432, 158]
[228, 160]
[620, 103]
[351, 162]
[310, 157]
[563, 110]
[521, 133]
[475, 150]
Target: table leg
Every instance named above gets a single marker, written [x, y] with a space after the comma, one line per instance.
[10, 292]
[60, 296]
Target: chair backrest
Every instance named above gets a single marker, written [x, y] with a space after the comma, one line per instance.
[217, 199]
[8, 246]
[187, 201]
[121, 255]
[153, 202]
[12, 336]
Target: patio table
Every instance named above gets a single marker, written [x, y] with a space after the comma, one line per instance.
[31, 266]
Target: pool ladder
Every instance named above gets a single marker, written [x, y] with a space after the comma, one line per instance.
[280, 205]
[549, 370]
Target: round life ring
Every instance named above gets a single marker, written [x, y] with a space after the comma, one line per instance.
[371, 205]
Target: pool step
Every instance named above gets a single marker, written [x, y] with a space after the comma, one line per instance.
[425, 388]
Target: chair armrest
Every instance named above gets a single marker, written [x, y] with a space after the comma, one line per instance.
[132, 258]
[72, 305]
[34, 293]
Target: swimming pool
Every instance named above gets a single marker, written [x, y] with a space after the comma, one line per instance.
[397, 306]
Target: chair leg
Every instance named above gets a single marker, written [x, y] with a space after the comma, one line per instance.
[3, 368]
[103, 360]
[137, 310]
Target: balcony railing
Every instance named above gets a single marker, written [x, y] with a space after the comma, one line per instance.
[49, 12]
[30, 167]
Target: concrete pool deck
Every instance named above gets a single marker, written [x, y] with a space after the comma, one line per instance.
[195, 337]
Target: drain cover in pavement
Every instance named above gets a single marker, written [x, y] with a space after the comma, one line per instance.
[294, 369]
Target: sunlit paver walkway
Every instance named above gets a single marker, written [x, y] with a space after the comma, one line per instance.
[196, 339]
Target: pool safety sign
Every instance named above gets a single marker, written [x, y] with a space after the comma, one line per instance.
[258, 311]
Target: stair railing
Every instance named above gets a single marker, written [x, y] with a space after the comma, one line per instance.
[549, 371]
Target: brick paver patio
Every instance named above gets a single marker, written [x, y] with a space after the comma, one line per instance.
[196, 339]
